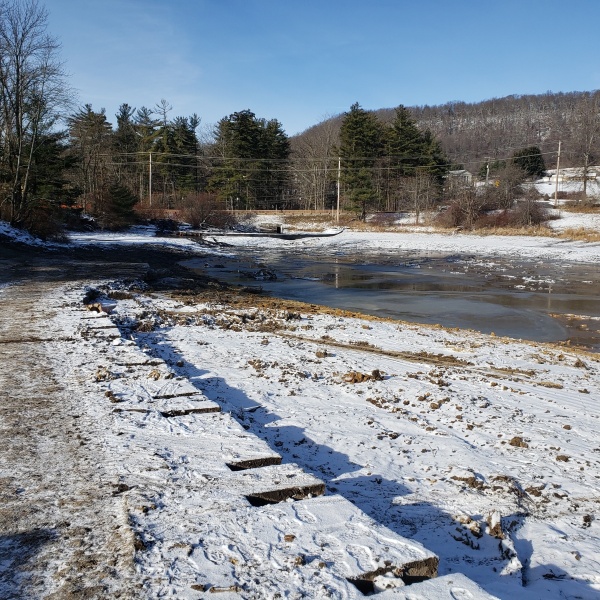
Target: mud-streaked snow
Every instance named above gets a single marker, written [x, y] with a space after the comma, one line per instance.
[485, 450]
[482, 450]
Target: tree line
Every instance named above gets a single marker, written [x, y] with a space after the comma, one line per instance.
[58, 159]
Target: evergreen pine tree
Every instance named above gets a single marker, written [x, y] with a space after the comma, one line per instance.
[183, 144]
[361, 144]
[125, 148]
[147, 131]
[91, 138]
[251, 171]
[50, 169]
[118, 207]
[409, 149]
[530, 160]
[405, 146]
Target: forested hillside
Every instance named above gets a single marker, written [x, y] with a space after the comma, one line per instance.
[470, 133]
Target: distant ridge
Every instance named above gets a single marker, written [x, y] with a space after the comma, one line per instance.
[470, 132]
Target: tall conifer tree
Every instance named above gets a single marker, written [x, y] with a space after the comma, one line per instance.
[361, 144]
[252, 169]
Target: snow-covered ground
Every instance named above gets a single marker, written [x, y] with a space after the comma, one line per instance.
[352, 242]
[357, 242]
[575, 221]
[548, 188]
[483, 451]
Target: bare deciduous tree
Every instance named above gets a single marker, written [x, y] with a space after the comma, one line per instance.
[586, 138]
[32, 92]
[314, 165]
[422, 190]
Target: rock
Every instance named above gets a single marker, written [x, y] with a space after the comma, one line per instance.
[154, 374]
[103, 374]
[518, 442]
[376, 375]
[494, 523]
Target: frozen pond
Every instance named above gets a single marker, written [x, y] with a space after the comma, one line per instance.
[533, 300]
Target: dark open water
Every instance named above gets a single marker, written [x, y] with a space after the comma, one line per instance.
[525, 300]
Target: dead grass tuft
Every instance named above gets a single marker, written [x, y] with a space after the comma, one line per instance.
[580, 234]
[584, 207]
[534, 231]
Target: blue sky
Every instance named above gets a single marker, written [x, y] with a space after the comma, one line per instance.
[300, 61]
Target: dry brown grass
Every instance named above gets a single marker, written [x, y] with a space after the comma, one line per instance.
[587, 207]
[533, 230]
[319, 222]
[315, 219]
[365, 226]
[580, 234]
[313, 223]
[347, 219]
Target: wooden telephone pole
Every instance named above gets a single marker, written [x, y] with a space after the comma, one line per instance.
[557, 172]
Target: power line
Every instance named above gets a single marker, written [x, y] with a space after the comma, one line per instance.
[322, 159]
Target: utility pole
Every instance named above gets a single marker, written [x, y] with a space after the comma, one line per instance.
[150, 179]
[337, 214]
[149, 172]
[557, 172]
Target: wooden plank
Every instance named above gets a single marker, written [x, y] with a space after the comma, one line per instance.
[151, 385]
[358, 547]
[448, 587]
[213, 443]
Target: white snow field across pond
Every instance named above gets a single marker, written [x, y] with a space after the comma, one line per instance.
[521, 247]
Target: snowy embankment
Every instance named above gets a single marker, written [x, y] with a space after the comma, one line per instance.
[484, 450]
[481, 451]
[351, 242]
[356, 242]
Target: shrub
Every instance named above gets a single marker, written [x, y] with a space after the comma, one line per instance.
[528, 213]
[587, 205]
[494, 220]
[383, 219]
[116, 207]
[525, 214]
[450, 216]
[204, 210]
[43, 221]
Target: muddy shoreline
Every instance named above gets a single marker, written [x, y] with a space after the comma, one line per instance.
[169, 270]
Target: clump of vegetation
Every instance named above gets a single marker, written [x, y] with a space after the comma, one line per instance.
[524, 214]
[44, 220]
[580, 234]
[115, 207]
[384, 220]
[502, 206]
[204, 210]
[577, 203]
[358, 377]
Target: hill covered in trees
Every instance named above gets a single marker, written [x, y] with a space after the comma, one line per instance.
[472, 133]
[495, 128]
